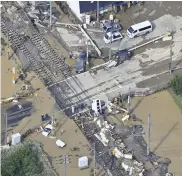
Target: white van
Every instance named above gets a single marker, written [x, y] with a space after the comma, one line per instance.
[112, 36]
[139, 29]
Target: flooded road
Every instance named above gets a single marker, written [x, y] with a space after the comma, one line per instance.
[166, 126]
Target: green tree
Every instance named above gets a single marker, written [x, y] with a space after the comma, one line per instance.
[21, 162]
[176, 84]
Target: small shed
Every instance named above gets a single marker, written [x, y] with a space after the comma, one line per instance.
[83, 162]
[16, 138]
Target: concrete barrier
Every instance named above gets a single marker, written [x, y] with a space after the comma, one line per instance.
[151, 41]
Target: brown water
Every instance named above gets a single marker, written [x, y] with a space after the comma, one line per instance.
[72, 139]
[44, 104]
[7, 87]
[166, 126]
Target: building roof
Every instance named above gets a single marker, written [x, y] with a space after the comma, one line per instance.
[88, 6]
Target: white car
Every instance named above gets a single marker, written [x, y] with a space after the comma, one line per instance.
[112, 36]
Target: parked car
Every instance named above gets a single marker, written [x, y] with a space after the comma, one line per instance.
[109, 26]
[112, 36]
[81, 63]
[122, 56]
[139, 29]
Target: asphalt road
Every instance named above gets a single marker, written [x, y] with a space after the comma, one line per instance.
[158, 80]
[151, 11]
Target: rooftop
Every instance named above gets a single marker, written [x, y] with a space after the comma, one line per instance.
[87, 6]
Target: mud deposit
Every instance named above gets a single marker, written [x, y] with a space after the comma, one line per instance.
[166, 126]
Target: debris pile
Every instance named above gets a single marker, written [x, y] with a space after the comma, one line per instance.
[118, 149]
[39, 13]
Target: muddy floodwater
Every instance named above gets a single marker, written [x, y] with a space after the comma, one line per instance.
[166, 126]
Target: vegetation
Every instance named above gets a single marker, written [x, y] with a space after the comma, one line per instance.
[176, 84]
[176, 89]
[3, 42]
[21, 161]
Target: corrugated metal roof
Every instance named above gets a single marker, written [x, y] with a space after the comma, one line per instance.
[88, 6]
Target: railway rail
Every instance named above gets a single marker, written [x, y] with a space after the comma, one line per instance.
[45, 67]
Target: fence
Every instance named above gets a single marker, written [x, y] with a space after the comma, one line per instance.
[145, 93]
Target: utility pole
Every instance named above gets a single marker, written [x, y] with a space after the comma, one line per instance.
[87, 52]
[65, 161]
[129, 99]
[97, 11]
[13, 64]
[94, 161]
[6, 128]
[50, 14]
[170, 60]
[110, 46]
[148, 143]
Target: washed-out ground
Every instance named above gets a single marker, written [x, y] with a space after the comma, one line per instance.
[7, 87]
[166, 126]
[44, 103]
[72, 137]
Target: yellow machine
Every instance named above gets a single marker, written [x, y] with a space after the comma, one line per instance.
[55, 123]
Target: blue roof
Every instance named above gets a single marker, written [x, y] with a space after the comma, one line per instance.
[87, 6]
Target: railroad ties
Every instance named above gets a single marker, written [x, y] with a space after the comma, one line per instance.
[46, 73]
[41, 66]
[18, 42]
[59, 66]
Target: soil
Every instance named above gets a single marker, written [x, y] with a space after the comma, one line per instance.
[166, 126]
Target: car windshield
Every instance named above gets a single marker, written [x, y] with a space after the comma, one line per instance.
[106, 36]
[130, 30]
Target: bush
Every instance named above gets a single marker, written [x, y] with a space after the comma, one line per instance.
[23, 161]
[176, 84]
[3, 43]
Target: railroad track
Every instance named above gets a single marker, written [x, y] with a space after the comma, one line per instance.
[59, 67]
[45, 72]
[37, 66]
[18, 42]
